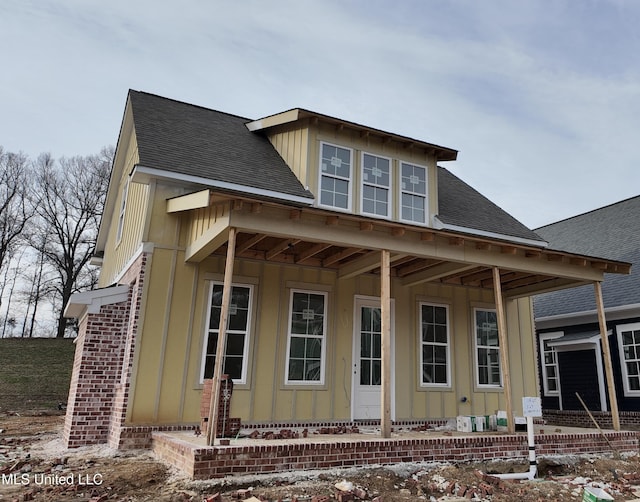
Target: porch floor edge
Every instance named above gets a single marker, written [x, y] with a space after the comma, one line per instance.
[245, 456]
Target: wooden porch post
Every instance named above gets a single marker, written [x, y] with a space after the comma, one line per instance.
[385, 312]
[212, 429]
[504, 348]
[611, 387]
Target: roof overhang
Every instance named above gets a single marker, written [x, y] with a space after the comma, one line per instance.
[588, 316]
[576, 341]
[143, 174]
[350, 245]
[441, 153]
[90, 302]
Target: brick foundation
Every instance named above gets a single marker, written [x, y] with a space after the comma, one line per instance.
[629, 420]
[212, 462]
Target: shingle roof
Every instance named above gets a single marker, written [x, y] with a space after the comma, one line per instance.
[195, 141]
[460, 204]
[191, 140]
[611, 232]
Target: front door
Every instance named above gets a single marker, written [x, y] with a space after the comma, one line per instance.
[367, 360]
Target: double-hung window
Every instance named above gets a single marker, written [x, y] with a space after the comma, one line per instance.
[629, 344]
[238, 332]
[487, 348]
[375, 195]
[307, 337]
[413, 193]
[335, 177]
[549, 366]
[434, 345]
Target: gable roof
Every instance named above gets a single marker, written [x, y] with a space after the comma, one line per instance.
[612, 232]
[205, 144]
[462, 206]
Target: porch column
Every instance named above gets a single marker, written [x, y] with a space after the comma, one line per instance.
[212, 428]
[385, 314]
[606, 353]
[504, 348]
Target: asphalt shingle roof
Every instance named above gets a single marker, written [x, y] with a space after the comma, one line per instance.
[195, 141]
[460, 204]
[191, 140]
[611, 232]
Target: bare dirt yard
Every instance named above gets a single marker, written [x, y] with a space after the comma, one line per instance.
[35, 466]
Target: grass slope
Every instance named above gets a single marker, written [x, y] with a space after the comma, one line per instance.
[34, 373]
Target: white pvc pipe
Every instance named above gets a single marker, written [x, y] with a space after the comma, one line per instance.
[533, 467]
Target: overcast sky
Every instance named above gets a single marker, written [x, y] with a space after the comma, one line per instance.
[540, 97]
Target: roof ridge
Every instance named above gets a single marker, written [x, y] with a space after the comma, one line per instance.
[587, 212]
[153, 95]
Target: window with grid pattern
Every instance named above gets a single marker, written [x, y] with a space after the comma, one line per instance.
[434, 343]
[306, 340]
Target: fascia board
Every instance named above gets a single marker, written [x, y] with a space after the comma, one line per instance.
[142, 174]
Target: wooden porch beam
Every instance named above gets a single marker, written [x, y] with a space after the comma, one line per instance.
[504, 349]
[436, 272]
[606, 354]
[250, 243]
[364, 264]
[312, 251]
[385, 350]
[212, 428]
[276, 250]
[341, 255]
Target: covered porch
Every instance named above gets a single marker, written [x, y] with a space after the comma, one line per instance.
[508, 267]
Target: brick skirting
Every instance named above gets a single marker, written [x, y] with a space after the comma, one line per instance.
[579, 418]
[200, 462]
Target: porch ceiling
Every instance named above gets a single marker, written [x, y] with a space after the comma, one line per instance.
[351, 245]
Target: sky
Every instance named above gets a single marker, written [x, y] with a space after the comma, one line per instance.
[540, 97]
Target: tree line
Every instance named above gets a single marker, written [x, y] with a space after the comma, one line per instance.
[50, 211]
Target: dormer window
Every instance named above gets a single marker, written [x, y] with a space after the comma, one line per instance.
[413, 193]
[376, 186]
[335, 176]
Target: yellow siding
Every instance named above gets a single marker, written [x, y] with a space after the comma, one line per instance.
[167, 392]
[121, 252]
[292, 145]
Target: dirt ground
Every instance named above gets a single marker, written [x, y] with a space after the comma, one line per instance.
[35, 466]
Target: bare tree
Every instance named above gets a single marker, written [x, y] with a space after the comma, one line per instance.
[69, 198]
[14, 209]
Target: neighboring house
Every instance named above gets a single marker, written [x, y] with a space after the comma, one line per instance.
[567, 325]
[362, 278]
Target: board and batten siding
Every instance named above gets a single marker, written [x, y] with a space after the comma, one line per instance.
[167, 385]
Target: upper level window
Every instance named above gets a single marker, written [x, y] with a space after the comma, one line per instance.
[238, 330]
[629, 343]
[376, 185]
[335, 176]
[487, 349]
[549, 364]
[413, 193]
[434, 342]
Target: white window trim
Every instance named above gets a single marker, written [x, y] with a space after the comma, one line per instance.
[349, 207]
[426, 194]
[121, 214]
[245, 353]
[545, 337]
[475, 353]
[421, 383]
[623, 364]
[388, 188]
[324, 340]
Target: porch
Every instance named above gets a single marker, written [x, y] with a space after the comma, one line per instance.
[191, 455]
